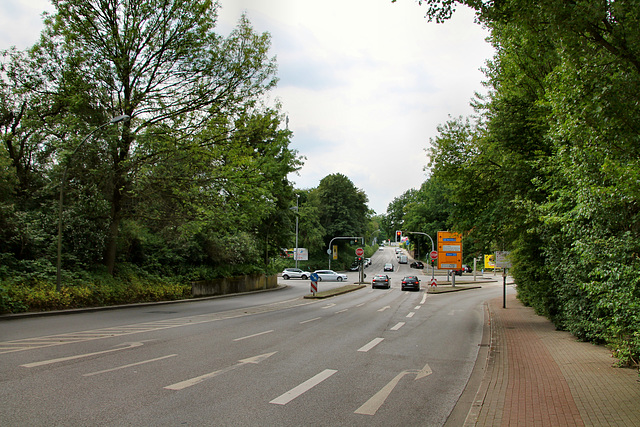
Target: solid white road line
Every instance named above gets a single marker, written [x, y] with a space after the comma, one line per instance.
[374, 342]
[302, 388]
[385, 308]
[397, 326]
[254, 335]
[129, 365]
[424, 298]
[80, 356]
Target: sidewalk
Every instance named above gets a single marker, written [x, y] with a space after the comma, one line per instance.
[538, 376]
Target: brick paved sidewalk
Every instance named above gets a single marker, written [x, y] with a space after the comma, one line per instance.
[538, 376]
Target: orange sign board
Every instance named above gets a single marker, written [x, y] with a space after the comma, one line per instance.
[449, 250]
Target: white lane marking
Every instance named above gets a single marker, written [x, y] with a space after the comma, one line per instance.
[254, 335]
[417, 307]
[360, 305]
[310, 320]
[371, 406]
[80, 356]
[128, 366]
[197, 380]
[342, 311]
[397, 326]
[424, 298]
[411, 314]
[329, 305]
[374, 342]
[303, 388]
[386, 307]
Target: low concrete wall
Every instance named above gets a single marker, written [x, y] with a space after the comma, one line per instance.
[233, 285]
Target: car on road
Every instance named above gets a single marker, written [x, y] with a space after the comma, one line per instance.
[398, 250]
[402, 259]
[367, 262]
[410, 282]
[388, 267]
[381, 281]
[295, 273]
[417, 264]
[330, 276]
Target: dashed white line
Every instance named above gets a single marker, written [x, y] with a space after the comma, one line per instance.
[374, 342]
[254, 335]
[129, 365]
[411, 314]
[342, 311]
[303, 388]
[310, 320]
[398, 326]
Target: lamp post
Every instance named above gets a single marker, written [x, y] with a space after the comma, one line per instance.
[297, 214]
[117, 119]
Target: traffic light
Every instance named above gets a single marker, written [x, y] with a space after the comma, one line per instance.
[398, 236]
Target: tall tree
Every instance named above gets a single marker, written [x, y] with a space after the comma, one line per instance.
[161, 63]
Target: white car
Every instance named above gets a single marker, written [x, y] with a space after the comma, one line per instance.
[330, 276]
[295, 273]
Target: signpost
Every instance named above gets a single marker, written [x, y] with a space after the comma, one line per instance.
[314, 283]
[503, 261]
[359, 252]
[450, 252]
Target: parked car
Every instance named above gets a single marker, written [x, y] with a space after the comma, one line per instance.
[410, 282]
[295, 273]
[330, 276]
[388, 267]
[417, 264]
[381, 281]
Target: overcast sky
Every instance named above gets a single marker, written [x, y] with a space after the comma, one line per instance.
[364, 82]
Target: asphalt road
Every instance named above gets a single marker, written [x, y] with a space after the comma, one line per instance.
[369, 357]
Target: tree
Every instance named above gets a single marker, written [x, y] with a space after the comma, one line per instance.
[342, 208]
[161, 63]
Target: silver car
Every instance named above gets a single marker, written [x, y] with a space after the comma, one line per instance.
[295, 273]
[330, 276]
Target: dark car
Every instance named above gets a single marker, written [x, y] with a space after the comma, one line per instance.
[381, 281]
[388, 267]
[410, 282]
[417, 264]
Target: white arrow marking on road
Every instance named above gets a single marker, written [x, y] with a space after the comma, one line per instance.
[80, 356]
[303, 388]
[371, 406]
[385, 308]
[197, 380]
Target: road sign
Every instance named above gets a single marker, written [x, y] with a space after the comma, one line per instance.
[314, 287]
[434, 282]
[359, 251]
[314, 277]
[434, 255]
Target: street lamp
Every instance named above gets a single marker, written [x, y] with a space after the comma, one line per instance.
[296, 209]
[117, 119]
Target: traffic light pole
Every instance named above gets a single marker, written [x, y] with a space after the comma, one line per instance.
[432, 249]
[329, 251]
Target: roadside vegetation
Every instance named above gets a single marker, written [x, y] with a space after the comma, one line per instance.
[549, 167]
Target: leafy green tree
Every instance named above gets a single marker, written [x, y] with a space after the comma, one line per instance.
[342, 208]
[161, 63]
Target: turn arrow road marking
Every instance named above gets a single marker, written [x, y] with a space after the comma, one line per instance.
[371, 406]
